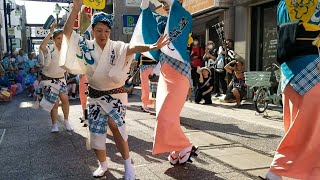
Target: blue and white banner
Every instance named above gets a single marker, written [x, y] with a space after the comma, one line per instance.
[149, 27]
[178, 28]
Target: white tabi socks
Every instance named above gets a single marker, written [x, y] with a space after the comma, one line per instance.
[67, 125]
[54, 128]
[173, 157]
[272, 176]
[129, 170]
[100, 172]
[185, 154]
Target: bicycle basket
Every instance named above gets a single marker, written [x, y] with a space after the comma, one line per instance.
[257, 78]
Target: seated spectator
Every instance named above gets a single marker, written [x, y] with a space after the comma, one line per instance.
[205, 86]
[19, 79]
[5, 62]
[31, 61]
[72, 82]
[14, 86]
[5, 93]
[30, 78]
[237, 88]
[37, 88]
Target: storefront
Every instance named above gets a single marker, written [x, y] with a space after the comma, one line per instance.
[256, 37]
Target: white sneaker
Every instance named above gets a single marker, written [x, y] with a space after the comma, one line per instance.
[54, 128]
[72, 98]
[67, 126]
[101, 171]
[129, 172]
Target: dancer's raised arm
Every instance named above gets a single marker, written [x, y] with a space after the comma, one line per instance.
[68, 27]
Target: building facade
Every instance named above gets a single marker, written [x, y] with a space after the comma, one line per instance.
[256, 32]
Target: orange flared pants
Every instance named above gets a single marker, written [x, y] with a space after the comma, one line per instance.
[171, 95]
[298, 153]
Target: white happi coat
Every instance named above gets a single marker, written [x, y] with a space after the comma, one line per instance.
[51, 69]
[105, 69]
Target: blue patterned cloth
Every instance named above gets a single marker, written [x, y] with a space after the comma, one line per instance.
[307, 78]
[98, 118]
[182, 67]
[296, 72]
[102, 17]
[145, 67]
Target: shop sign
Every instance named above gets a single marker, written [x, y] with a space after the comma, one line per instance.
[133, 3]
[11, 32]
[129, 23]
[194, 6]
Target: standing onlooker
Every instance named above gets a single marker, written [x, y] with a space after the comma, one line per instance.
[209, 58]
[21, 60]
[195, 57]
[72, 83]
[229, 55]
[220, 73]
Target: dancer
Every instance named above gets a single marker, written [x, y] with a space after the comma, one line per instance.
[106, 64]
[53, 79]
[147, 66]
[174, 78]
[297, 156]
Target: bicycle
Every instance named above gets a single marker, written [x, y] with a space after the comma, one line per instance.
[263, 82]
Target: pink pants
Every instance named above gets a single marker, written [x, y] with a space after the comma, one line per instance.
[298, 153]
[171, 95]
[82, 89]
[145, 86]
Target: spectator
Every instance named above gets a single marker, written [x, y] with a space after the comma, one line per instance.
[195, 58]
[5, 62]
[72, 83]
[237, 88]
[230, 56]
[209, 58]
[205, 86]
[21, 60]
[14, 87]
[30, 78]
[37, 88]
[220, 73]
[31, 62]
[5, 94]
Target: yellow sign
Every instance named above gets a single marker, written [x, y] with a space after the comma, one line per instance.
[194, 6]
[95, 4]
[301, 10]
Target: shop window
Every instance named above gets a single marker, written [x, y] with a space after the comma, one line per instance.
[264, 36]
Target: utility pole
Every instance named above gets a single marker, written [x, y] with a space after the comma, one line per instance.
[5, 23]
[9, 16]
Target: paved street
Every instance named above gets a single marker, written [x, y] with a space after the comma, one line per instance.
[234, 144]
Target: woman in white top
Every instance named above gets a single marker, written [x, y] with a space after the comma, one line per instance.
[53, 79]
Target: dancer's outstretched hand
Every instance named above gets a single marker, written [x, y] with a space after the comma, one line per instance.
[162, 41]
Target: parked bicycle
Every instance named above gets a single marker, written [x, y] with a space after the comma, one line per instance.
[264, 83]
